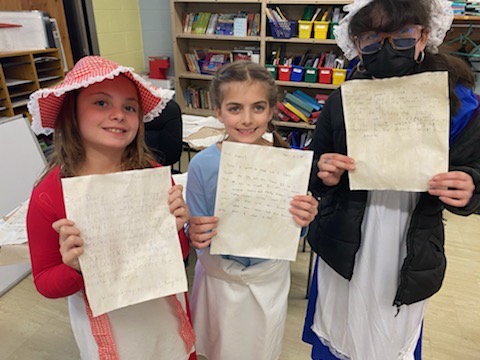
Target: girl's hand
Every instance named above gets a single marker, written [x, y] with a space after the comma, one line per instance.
[202, 230]
[177, 206]
[454, 188]
[304, 209]
[331, 167]
[71, 245]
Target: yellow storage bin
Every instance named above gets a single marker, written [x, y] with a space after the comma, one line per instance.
[304, 29]
[320, 29]
[338, 76]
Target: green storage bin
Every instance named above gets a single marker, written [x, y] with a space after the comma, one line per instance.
[273, 70]
[311, 74]
[333, 25]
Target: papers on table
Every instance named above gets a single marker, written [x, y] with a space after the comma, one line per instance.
[132, 251]
[13, 227]
[397, 131]
[255, 187]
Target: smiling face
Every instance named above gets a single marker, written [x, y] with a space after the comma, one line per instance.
[245, 111]
[108, 115]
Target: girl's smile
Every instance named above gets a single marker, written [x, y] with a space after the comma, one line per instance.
[245, 111]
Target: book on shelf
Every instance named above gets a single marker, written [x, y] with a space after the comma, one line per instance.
[297, 111]
[299, 103]
[215, 59]
[282, 109]
[308, 99]
[192, 63]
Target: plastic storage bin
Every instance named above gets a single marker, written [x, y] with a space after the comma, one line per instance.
[297, 73]
[320, 29]
[338, 76]
[284, 72]
[311, 74]
[283, 29]
[304, 29]
[333, 26]
[272, 69]
[325, 75]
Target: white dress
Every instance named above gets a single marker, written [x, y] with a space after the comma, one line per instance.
[146, 331]
[356, 319]
[239, 312]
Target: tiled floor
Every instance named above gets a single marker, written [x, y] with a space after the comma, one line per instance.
[35, 328]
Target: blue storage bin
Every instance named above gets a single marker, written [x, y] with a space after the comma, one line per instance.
[297, 73]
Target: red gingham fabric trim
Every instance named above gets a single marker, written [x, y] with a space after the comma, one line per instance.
[102, 333]
[45, 104]
[186, 330]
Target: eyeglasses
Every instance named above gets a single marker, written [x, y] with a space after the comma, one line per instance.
[406, 38]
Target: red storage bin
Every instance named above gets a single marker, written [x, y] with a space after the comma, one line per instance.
[284, 72]
[158, 66]
[325, 75]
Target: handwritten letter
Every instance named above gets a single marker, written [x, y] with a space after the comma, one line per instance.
[255, 187]
[132, 252]
[397, 131]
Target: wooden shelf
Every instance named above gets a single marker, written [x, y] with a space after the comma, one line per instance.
[306, 85]
[289, 124]
[218, 37]
[185, 43]
[466, 18]
[302, 41]
[19, 77]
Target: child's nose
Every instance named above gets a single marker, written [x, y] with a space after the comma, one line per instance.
[117, 113]
[247, 118]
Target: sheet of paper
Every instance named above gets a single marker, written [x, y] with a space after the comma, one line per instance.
[255, 186]
[132, 251]
[397, 131]
[13, 227]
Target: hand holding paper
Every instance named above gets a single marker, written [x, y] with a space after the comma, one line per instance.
[131, 248]
[397, 142]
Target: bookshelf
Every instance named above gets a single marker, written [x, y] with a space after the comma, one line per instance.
[22, 73]
[186, 42]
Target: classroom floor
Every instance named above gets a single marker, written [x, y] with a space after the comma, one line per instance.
[35, 328]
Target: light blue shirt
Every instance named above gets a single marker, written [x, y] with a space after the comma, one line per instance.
[201, 191]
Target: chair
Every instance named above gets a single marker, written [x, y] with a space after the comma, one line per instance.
[163, 135]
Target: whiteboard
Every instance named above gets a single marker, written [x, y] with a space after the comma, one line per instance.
[21, 162]
[30, 35]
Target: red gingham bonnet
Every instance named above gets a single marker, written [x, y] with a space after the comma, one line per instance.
[45, 104]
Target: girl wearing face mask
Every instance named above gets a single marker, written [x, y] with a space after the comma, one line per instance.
[381, 253]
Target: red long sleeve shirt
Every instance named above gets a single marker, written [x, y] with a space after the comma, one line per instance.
[51, 276]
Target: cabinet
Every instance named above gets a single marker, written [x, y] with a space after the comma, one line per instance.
[22, 73]
[185, 42]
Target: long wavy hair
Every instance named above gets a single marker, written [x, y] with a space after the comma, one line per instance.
[247, 71]
[69, 151]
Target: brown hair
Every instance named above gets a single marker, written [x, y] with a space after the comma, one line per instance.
[247, 71]
[69, 153]
[392, 15]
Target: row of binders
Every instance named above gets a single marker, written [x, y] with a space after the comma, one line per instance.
[299, 106]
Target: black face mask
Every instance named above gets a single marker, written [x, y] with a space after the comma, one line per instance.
[389, 62]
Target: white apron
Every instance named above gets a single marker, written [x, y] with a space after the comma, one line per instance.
[239, 312]
[356, 318]
[147, 331]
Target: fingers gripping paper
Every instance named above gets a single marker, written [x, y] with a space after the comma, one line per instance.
[255, 187]
[132, 251]
[397, 131]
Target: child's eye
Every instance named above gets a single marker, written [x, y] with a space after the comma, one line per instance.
[259, 108]
[101, 103]
[234, 109]
[130, 108]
